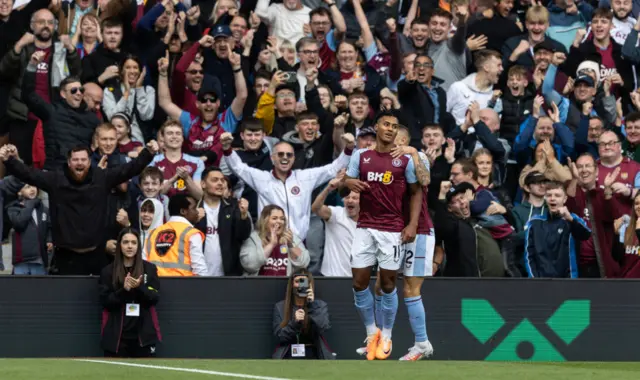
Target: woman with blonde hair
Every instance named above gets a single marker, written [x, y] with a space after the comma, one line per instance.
[300, 320]
[272, 249]
[222, 7]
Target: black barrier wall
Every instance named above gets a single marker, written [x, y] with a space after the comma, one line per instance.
[467, 319]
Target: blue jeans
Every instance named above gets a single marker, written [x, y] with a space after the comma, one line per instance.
[29, 269]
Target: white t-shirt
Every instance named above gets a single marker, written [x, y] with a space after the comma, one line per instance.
[339, 232]
[212, 252]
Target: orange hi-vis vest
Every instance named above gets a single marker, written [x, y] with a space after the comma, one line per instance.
[169, 249]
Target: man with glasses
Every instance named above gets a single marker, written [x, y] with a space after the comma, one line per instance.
[188, 77]
[66, 122]
[611, 158]
[202, 131]
[49, 72]
[291, 189]
[321, 30]
[631, 145]
[423, 99]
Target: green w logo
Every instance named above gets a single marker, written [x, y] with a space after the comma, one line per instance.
[567, 322]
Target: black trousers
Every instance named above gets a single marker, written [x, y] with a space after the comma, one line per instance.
[589, 270]
[130, 348]
[70, 263]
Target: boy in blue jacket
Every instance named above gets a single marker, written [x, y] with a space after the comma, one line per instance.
[551, 240]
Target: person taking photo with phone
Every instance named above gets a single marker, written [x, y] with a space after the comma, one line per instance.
[300, 321]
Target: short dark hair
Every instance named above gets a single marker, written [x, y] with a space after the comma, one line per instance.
[306, 115]
[153, 172]
[423, 55]
[66, 81]
[251, 124]
[79, 148]
[602, 13]
[386, 113]
[420, 21]
[468, 166]
[208, 170]
[632, 117]
[439, 12]
[111, 22]
[264, 74]
[178, 203]
[587, 154]
[320, 11]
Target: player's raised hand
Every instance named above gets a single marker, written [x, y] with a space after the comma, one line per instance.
[356, 185]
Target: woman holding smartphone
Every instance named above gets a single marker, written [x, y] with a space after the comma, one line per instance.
[300, 320]
[129, 292]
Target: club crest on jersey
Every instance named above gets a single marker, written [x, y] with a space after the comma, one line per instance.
[386, 178]
[396, 162]
[624, 175]
[295, 190]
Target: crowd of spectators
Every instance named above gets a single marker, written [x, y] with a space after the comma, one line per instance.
[219, 131]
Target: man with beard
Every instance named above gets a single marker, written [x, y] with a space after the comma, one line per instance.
[291, 189]
[218, 64]
[65, 122]
[623, 17]
[449, 54]
[50, 71]
[418, 37]
[519, 50]
[188, 77]
[631, 144]
[14, 23]
[101, 66]
[226, 224]
[607, 52]
[340, 225]
[256, 153]
[285, 20]
[77, 194]
[475, 87]
[423, 99]
[599, 209]
[202, 131]
[324, 34]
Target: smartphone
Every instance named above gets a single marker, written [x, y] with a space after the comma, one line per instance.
[291, 76]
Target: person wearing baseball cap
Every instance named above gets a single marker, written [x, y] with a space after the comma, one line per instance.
[532, 205]
[470, 252]
[366, 137]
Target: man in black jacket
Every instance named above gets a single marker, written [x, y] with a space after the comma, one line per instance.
[226, 225]
[101, 66]
[470, 249]
[66, 122]
[423, 100]
[77, 196]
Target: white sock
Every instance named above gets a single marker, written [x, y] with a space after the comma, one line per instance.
[386, 333]
[371, 330]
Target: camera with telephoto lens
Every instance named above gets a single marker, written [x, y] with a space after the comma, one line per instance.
[303, 287]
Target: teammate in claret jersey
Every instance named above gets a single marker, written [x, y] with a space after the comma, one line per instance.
[382, 182]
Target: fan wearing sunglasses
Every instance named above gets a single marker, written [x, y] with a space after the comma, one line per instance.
[289, 189]
[67, 122]
[202, 131]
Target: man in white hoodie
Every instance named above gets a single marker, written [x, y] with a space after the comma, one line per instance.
[476, 87]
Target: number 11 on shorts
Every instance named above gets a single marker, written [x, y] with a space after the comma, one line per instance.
[397, 253]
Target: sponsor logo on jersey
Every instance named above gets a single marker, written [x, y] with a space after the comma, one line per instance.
[366, 160]
[386, 178]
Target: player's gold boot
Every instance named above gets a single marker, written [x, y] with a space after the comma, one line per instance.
[372, 345]
[384, 348]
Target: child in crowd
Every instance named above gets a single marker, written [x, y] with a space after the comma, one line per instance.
[151, 217]
[32, 238]
[517, 102]
[148, 186]
[126, 146]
